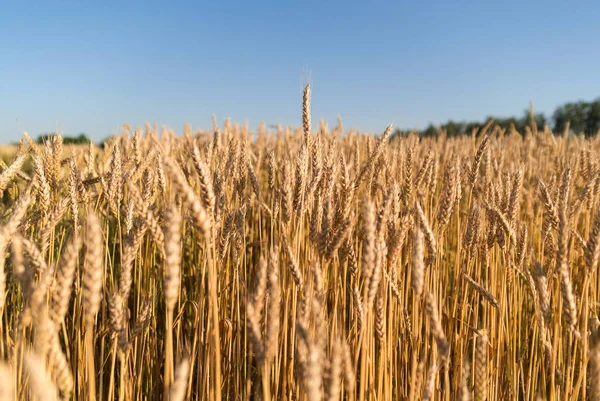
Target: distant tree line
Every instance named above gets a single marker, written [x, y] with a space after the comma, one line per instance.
[80, 139]
[582, 118]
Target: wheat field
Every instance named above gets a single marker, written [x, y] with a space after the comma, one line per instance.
[307, 264]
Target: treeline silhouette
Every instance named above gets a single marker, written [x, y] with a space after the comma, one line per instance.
[578, 117]
[80, 139]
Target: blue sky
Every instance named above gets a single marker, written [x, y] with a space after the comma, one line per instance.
[92, 66]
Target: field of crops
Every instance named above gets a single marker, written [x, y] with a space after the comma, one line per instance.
[309, 264]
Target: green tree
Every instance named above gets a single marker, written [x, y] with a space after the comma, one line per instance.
[454, 128]
[592, 118]
[80, 139]
[573, 113]
[431, 130]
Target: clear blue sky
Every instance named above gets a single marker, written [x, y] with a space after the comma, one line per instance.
[92, 65]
